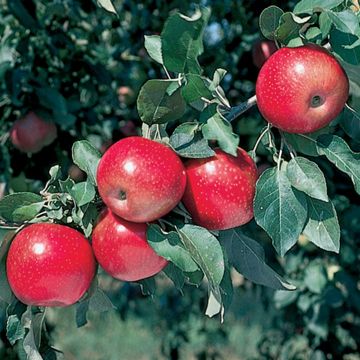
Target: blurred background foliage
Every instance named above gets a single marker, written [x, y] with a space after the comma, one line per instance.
[81, 67]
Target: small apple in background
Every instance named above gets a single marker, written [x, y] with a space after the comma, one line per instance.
[261, 51]
[140, 180]
[126, 95]
[31, 133]
[121, 248]
[301, 90]
[76, 173]
[50, 265]
[220, 190]
[128, 128]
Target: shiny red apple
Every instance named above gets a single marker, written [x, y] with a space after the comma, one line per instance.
[50, 265]
[140, 180]
[261, 51]
[31, 133]
[122, 250]
[301, 90]
[220, 190]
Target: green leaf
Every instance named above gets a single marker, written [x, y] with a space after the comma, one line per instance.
[6, 236]
[219, 74]
[100, 302]
[216, 128]
[169, 246]
[345, 21]
[198, 147]
[107, 5]
[195, 89]
[315, 277]
[338, 152]
[314, 35]
[248, 258]
[87, 158]
[33, 322]
[81, 312]
[344, 45]
[323, 228]
[14, 329]
[307, 177]
[206, 251]
[51, 99]
[318, 324]
[66, 185]
[83, 192]
[27, 212]
[154, 104]
[147, 286]
[183, 134]
[23, 14]
[175, 275]
[153, 47]
[285, 298]
[306, 143]
[325, 24]
[182, 41]
[288, 29]
[310, 6]
[269, 21]
[350, 122]
[13, 202]
[5, 290]
[279, 209]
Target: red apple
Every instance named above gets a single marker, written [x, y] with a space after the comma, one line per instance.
[261, 51]
[50, 265]
[140, 180]
[301, 90]
[220, 190]
[31, 133]
[121, 248]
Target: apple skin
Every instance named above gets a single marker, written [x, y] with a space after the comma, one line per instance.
[301, 90]
[140, 180]
[50, 265]
[31, 133]
[220, 190]
[261, 51]
[122, 250]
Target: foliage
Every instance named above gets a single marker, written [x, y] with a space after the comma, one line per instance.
[67, 61]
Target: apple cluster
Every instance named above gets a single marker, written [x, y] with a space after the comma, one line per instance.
[140, 181]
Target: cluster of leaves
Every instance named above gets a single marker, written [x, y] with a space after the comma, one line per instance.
[291, 198]
[324, 312]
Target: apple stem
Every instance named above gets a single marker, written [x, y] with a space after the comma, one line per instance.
[263, 132]
[236, 111]
[280, 153]
[292, 152]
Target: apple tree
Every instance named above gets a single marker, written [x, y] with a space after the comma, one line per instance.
[186, 197]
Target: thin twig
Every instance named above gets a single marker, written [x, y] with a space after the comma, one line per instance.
[263, 132]
[166, 72]
[236, 111]
[280, 153]
[292, 152]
